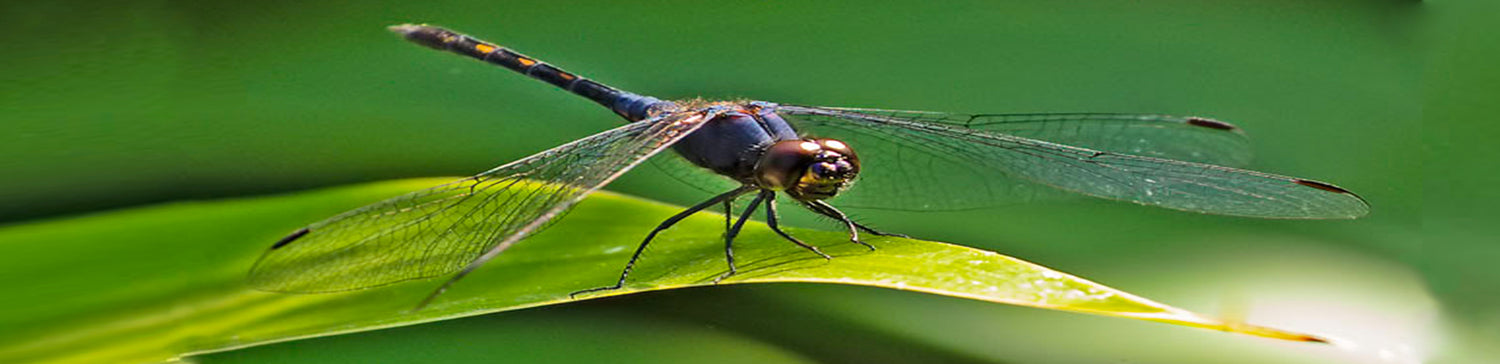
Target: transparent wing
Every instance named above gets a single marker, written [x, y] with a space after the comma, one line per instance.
[1189, 138]
[913, 164]
[442, 229]
[1193, 139]
[690, 175]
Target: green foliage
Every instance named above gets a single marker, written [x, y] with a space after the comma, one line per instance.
[154, 283]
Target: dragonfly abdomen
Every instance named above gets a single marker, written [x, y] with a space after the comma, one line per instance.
[629, 105]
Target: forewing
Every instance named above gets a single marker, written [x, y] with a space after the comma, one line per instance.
[442, 229]
[922, 165]
[1184, 138]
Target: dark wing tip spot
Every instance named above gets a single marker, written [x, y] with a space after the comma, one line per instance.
[1356, 211]
[1210, 123]
[288, 239]
[1322, 186]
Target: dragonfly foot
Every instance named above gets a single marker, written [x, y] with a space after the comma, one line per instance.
[872, 231]
[821, 254]
[721, 277]
[867, 245]
[881, 233]
[575, 294]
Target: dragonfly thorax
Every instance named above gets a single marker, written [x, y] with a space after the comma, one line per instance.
[807, 169]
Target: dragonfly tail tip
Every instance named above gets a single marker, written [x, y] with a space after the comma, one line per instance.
[403, 29]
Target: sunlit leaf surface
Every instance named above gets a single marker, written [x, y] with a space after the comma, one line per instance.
[158, 283]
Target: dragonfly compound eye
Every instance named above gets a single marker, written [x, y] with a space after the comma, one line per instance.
[809, 169]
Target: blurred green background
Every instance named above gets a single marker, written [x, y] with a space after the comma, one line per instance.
[111, 106]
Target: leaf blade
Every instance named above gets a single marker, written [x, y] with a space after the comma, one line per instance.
[188, 295]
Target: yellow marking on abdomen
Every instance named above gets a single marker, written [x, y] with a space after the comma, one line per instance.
[525, 61]
[484, 48]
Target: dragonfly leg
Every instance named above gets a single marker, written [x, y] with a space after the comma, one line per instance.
[872, 231]
[728, 225]
[734, 231]
[728, 214]
[867, 229]
[771, 217]
[827, 210]
[663, 226]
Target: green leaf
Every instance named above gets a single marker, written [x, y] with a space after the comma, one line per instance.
[158, 283]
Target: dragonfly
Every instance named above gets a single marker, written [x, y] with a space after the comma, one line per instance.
[909, 160]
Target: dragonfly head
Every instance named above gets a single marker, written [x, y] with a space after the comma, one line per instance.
[807, 169]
